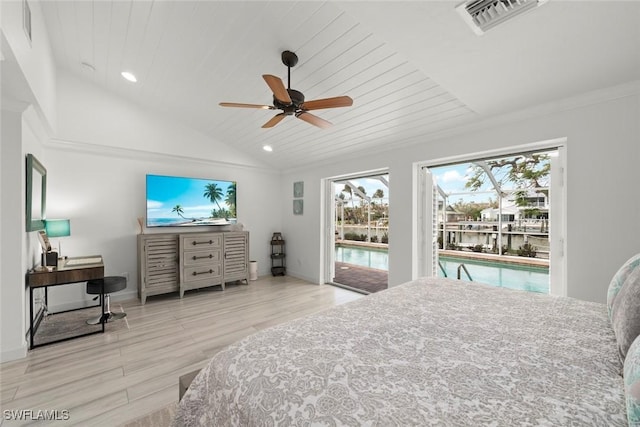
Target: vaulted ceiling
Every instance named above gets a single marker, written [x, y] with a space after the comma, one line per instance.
[412, 68]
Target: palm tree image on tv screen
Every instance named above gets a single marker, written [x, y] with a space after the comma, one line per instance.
[174, 201]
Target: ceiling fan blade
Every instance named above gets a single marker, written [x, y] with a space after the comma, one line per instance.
[277, 87]
[318, 104]
[274, 120]
[314, 120]
[236, 104]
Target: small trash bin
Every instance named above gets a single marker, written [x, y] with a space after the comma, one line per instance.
[253, 270]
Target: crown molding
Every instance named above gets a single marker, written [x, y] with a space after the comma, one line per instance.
[129, 153]
[566, 104]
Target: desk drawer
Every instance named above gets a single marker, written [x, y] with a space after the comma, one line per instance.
[199, 242]
[201, 257]
[202, 272]
[63, 277]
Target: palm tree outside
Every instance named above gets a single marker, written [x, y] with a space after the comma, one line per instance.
[349, 191]
[379, 194]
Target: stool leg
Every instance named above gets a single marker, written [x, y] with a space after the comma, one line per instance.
[109, 316]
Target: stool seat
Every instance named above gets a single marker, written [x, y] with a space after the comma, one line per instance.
[106, 285]
[111, 284]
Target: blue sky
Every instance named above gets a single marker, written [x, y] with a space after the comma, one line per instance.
[450, 178]
[164, 192]
[370, 185]
[453, 178]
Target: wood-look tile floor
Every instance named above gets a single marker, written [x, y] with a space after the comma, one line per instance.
[133, 368]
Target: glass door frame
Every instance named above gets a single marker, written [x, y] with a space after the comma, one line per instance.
[328, 224]
[424, 245]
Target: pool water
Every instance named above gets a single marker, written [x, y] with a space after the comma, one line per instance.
[512, 276]
[533, 279]
[366, 257]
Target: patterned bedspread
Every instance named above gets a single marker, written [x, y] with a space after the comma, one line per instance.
[430, 352]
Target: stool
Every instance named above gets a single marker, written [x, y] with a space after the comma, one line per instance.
[111, 284]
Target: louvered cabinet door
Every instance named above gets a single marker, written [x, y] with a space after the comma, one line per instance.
[157, 265]
[236, 256]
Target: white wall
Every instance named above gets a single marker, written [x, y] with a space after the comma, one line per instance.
[603, 154]
[97, 182]
[12, 295]
[21, 134]
[34, 58]
[91, 118]
[28, 113]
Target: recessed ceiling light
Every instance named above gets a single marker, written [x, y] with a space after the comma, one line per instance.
[129, 76]
[267, 148]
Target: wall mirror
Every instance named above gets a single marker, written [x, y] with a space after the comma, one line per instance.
[36, 194]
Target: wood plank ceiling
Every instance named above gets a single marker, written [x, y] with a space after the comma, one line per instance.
[190, 55]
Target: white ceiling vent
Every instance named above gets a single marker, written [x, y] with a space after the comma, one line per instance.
[482, 15]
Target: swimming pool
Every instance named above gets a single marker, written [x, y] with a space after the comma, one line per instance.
[366, 257]
[513, 276]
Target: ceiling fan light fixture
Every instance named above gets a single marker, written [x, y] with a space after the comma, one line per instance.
[292, 102]
[267, 148]
[129, 76]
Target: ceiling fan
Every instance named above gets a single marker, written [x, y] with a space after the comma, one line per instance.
[291, 101]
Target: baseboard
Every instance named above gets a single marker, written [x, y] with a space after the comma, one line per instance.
[14, 354]
[124, 296]
[300, 276]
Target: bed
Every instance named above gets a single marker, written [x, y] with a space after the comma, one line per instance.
[429, 352]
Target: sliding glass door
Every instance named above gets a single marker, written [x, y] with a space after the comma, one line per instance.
[356, 222]
[497, 219]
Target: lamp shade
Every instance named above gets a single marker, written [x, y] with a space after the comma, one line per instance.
[58, 227]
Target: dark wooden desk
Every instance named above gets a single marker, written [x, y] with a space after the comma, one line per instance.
[69, 270]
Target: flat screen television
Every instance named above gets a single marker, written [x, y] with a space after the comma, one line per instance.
[175, 201]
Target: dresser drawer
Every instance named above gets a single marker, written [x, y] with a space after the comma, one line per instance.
[200, 242]
[207, 257]
[202, 272]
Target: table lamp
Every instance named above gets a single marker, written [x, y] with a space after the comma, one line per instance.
[58, 228]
